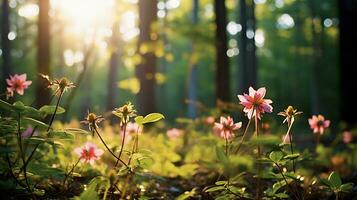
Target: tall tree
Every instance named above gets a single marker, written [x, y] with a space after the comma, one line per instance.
[316, 59]
[113, 67]
[192, 75]
[43, 53]
[247, 60]
[348, 52]
[251, 67]
[146, 70]
[222, 62]
[242, 58]
[5, 42]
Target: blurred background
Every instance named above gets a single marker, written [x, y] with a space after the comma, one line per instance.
[179, 57]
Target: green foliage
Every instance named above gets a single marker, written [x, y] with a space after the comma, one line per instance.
[221, 156]
[89, 193]
[187, 194]
[49, 110]
[34, 123]
[334, 183]
[276, 156]
[150, 118]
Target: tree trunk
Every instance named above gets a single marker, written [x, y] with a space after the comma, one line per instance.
[43, 54]
[242, 59]
[316, 62]
[147, 69]
[247, 59]
[5, 43]
[113, 68]
[251, 69]
[222, 63]
[192, 75]
[348, 52]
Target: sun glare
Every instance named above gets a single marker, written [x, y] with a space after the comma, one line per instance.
[84, 15]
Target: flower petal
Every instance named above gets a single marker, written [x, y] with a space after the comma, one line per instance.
[261, 91]
[251, 92]
[22, 77]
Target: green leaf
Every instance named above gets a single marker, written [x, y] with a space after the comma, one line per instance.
[75, 131]
[238, 176]
[278, 185]
[5, 105]
[34, 123]
[38, 140]
[187, 194]
[215, 188]
[335, 180]
[276, 156]
[45, 171]
[18, 106]
[139, 119]
[31, 112]
[49, 110]
[281, 195]
[141, 160]
[292, 156]
[326, 182]
[89, 194]
[39, 192]
[347, 187]
[152, 117]
[221, 156]
[221, 182]
[62, 135]
[35, 140]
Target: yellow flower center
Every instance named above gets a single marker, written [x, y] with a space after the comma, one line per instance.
[91, 117]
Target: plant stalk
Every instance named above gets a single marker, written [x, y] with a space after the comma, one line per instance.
[122, 142]
[245, 132]
[69, 173]
[110, 151]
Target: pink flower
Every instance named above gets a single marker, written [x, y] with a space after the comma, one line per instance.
[128, 137]
[27, 133]
[226, 127]
[174, 133]
[89, 153]
[286, 139]
[17, 83]
[254, 103]
[209, 120]
[347, 137]
[318, 124]
[132, 128]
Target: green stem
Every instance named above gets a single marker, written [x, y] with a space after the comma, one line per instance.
[290, 124]
[245, 132]
[226, 146]
[49, 127]
[54, 113]
[259, 155]
[122, 142]
[12, 173]
[234, 193]
[137, 139]
[23, 154]
[287, 183]
[257, 133]
[69, 173]
[110, 151]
